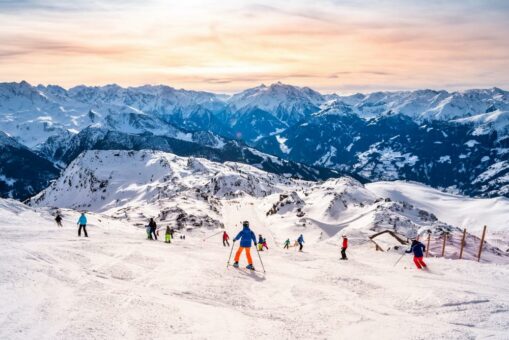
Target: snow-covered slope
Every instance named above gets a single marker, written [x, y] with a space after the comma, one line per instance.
[193, 193]
[470, 213]
[115, 284]
[32, 114]
[287, 103]
[425, 105]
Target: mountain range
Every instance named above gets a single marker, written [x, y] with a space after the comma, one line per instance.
[455, 141]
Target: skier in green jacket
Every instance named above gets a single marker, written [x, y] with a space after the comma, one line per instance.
[167, 236]
[287, 244]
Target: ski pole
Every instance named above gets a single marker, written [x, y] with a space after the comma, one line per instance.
[260, 259]
[206, 238]
[399, 259]
[231, 252]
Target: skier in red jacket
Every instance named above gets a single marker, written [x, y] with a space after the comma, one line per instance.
[344, 247]
[225, 239]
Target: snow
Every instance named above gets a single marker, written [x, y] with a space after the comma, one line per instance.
[444, 159]
[8, 181]
[471, 143]
[282, 145]
[464, 212]
[115, 284]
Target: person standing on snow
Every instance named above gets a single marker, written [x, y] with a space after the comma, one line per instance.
[226, 237]
[153, 226]
[149, 233]
[344, 247]
[260, 242]
[300, 241]
[264, 244]
[245, 236]
[82, 222]
[58, 219]
[167, 235]
[418, 249]
[287, 244]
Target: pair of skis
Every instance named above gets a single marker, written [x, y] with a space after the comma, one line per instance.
[230, 257]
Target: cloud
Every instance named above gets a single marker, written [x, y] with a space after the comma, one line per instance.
[229, 44]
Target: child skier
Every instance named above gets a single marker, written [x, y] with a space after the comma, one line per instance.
[245, 237]
[300, 241]
[264, 244]
[287, 244]
[226, 237]
[344, 247]
[418, 249]
[167, 235]
[260, 242]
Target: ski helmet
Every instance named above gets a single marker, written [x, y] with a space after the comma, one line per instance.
[245, 223]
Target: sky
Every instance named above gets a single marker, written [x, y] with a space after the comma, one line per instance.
[226, 46]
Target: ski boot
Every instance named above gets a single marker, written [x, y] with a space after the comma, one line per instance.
[250, 267]
[236, 264]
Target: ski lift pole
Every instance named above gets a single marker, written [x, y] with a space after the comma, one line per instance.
[260, 258]
[231, 252]
[206, 238]
[399, 259]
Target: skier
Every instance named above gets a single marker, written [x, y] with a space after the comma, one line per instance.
[226, 237]
[264, 244]
[260, 242]
[287, 244]
[153, 226]
[149, 233]
[82, 222]
[344, 247]
[245, 236]
[300, 241]
[167, 236]
[58, 219]
[418, 249]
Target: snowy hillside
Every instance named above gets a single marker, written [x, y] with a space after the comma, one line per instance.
[117, 284]
[194, 193]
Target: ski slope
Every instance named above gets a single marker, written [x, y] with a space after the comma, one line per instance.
[116, 284]
[465, 212]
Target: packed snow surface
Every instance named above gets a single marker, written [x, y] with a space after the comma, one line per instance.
[117, 284]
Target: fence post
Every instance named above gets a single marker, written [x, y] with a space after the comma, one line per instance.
[443, 245]
[482, 242]
[427, 245]
[463, 242]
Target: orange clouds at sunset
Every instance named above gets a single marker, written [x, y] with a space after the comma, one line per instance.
[224, 46]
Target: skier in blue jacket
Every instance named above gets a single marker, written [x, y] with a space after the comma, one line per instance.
[245, 236]
[418, 249]
[300, 240]
[82, 222]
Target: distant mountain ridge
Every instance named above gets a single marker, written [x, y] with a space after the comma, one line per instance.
[381, 135]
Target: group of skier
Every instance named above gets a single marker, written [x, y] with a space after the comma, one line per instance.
[247, 238]
[153, 231]
[81, 223]
[298, 243]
